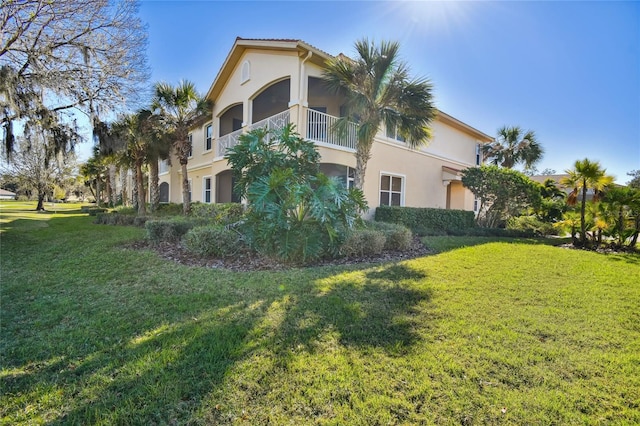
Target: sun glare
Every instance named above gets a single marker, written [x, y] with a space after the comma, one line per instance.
[433, 16]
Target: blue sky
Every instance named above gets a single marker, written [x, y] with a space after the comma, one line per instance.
[570, 71]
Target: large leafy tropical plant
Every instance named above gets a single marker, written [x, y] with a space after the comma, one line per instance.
[378, 90]
[179, 107]
[295, 212]
[585, 175]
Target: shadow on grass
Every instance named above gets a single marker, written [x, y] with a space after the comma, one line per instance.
[155, 355]
[376, 311]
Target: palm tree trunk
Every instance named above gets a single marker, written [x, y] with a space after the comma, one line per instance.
[154, 190]
[112, 184]
[186, 200]
[363, 154]
[142, 203]
[123, 185]
[98, 191]
[583, 206]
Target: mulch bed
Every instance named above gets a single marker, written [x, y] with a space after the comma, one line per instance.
[250, 261]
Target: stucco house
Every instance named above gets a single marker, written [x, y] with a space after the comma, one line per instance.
[271, 82]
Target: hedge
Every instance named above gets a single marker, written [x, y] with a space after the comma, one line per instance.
[167, 230]
[424, 220]
[219, 213]
[212, 240]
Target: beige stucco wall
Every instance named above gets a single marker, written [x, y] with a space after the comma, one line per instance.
[421, 169]
[266, 67]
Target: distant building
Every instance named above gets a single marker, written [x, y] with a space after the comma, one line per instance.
[7, 195]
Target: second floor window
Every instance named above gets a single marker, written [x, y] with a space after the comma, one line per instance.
[190, 137]
[478, 154]
[208, 138]
[393, 134]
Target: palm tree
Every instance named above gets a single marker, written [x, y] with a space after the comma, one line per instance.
[586, 174]
[129, 130]
[514, 146]
[178, 108]
[377, 89]
[622, 201]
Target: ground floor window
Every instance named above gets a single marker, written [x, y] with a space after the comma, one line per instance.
[207, 189]
[391, 190]
[164, 192]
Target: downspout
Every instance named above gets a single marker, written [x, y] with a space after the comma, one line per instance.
[303, 95]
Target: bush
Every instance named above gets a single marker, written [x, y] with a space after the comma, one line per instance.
[222, 213]
[95, 210]
[140, 220]
[22, 198]
[167, 230]
[398, 237]
[212, 241]
[362, 242]
[169, 209]
[531, 224]
[114, 219]
[126, 210]
[421, 219]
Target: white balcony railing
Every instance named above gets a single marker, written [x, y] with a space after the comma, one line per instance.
[227, 141]
[274, 122]
[320, 128]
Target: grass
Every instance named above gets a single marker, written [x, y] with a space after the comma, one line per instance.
[496, 332]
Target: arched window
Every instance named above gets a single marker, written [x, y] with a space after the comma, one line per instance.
[245, 73]
[164, 192]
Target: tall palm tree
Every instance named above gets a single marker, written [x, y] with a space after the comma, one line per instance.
[585, 175]
[178, 108]
[378, 89]
[514, 146]
[130, 129]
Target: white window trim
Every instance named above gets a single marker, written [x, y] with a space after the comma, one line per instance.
[210, 124]
[402, 192]
[190, 137]
[204, 189]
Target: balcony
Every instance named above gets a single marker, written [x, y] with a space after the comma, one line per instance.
[320, 129]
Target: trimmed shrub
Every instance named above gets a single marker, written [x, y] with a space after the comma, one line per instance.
[221, 213]
[362, 242]
[398, 237]
[126, 210]
[95, 210]
[212, 241]
[169, 209]
[421, 219]
[140, 220]
[114, 219]
[167, 230]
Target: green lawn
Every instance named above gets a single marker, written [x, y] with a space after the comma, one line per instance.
[491, 333]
